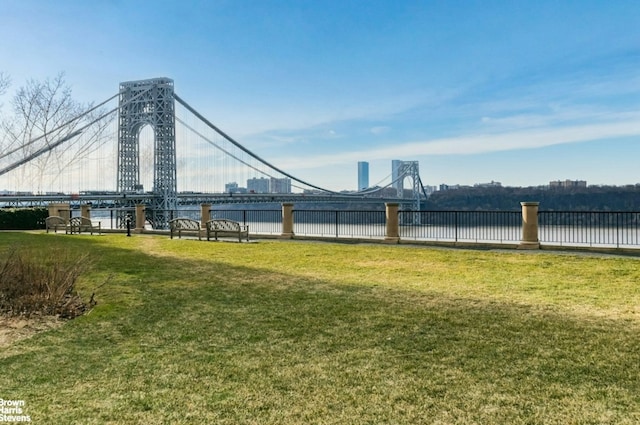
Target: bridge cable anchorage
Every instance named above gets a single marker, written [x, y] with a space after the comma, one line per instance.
[32, 141]
[255, 156]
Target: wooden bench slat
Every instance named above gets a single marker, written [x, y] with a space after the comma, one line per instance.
[82, 224]
[55, 222]
[186, 225]
[220, 226]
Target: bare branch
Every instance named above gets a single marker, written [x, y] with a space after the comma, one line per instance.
[5, 82]
[44, 113]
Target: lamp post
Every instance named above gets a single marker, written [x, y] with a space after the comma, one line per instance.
[128, 221]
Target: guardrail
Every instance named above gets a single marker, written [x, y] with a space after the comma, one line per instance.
[461, 226]
[527, 228]
[265, 222]
[345, 224]
[616, 229]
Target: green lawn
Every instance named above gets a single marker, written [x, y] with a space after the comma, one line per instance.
[287, 332]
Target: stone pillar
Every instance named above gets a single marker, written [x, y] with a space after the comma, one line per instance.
[287, 220]
[60, 209]
[393, 233]
[205, 215]
[140, 218]
[85, 211]
[529, 226]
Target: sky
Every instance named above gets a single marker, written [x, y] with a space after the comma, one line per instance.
[519, 92]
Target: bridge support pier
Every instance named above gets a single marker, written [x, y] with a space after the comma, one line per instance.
[529, 226]
[393, 229]
[287, 221]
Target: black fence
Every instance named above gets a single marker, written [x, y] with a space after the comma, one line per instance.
[555, 228]
[461, 226]
[346, 224]
[619, 229]
[265, 222]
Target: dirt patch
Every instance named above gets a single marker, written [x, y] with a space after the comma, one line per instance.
[13, 329]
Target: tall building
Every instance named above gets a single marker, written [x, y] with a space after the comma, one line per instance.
[395, 173]
[363, 175]
[260, 185]
[280, 185]
[231, 187]
[567, 184]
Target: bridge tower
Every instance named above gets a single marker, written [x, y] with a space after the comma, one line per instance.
[148, 102]
[400, 171]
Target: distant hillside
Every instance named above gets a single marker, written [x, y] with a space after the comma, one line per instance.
[594, 198]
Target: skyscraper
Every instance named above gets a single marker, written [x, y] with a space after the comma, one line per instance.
[280, 185]
[363, 175]
[260, 185]
[395, 173]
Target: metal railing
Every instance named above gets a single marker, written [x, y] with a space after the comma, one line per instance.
[346, 224]
[618, 229]
[461, 226]
[264, 222]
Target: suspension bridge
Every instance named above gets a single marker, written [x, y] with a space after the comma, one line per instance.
[161, 152]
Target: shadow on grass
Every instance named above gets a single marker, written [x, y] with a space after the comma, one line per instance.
[238, 344]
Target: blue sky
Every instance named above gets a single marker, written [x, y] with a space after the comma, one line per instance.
[521, 92]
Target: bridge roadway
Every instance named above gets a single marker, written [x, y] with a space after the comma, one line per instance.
[113, 200]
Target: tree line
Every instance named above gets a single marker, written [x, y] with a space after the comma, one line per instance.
[592, 198]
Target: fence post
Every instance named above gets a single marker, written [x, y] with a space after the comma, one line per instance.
[85, 211]
[287, 221]
[140, 218]
[529, 226]
[392, 234]
[205, 214]
[60, 209]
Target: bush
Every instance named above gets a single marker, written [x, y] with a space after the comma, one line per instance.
[30, 285]
[22, 218]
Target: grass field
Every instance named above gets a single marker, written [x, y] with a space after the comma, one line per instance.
[286, 332]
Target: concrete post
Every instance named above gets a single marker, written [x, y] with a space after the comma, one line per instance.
[85, 211]
[140, 218]
[287, 221]
[205, 215]
[60, 209]
[529, 226]
[393, 233]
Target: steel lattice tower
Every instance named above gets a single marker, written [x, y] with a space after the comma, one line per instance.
[148, 102]
[408, 169]
[400, 171]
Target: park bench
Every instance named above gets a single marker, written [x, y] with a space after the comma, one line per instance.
[55, 222]
[221, 227]
[184, 225]
[82, 224]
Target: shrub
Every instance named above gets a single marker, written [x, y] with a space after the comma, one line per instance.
[33, 284]
[22, 218]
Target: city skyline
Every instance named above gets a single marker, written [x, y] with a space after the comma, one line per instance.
[523, 94]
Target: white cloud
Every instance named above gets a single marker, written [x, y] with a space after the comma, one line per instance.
[380, 130]
[476, 144]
